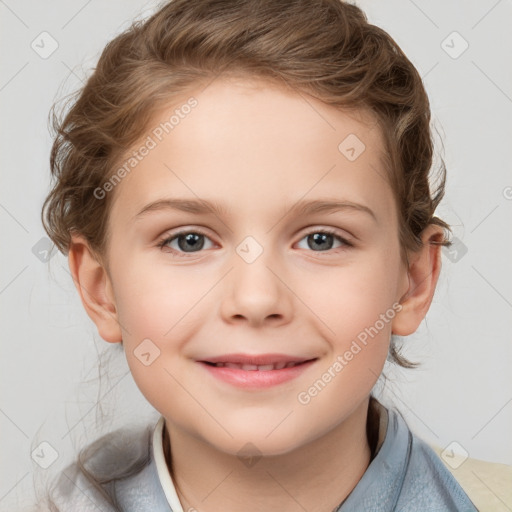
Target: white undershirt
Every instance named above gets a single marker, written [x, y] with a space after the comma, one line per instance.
[162, 470]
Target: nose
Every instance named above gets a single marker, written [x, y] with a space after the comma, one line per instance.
[256, 292]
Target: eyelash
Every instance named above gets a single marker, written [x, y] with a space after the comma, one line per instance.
[325, 231]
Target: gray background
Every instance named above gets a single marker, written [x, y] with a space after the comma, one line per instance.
[460, 397]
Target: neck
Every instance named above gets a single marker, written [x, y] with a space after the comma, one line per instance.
[316, 477]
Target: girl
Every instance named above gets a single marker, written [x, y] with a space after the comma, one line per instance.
[242, 191]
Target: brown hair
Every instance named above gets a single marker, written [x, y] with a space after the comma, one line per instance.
[325, 48]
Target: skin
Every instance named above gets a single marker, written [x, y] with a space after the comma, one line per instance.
[258, 148]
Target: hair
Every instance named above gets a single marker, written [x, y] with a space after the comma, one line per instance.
[324, 48]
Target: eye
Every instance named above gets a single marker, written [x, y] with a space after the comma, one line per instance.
[184, 242]
[189, 242]
[323, 239]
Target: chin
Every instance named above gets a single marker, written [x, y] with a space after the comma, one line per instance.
[255, 442]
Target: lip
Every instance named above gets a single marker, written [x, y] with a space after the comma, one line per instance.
[256, 378]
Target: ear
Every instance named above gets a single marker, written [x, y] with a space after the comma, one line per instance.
[95, 288]
[423, 273]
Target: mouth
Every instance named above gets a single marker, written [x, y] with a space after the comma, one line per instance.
[261, 368]
[262, 371]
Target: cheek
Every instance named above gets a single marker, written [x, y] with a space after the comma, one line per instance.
[356, 309]
[159, 319]
[352, 297]
[151, 301]
[358, 312]
[159, 310]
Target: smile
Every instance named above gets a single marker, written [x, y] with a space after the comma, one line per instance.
[251, 375]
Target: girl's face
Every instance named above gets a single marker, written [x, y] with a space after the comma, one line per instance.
[265, 270]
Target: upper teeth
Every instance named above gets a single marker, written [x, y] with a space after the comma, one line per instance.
[261, 367]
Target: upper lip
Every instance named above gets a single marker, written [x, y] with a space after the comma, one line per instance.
[259, 359]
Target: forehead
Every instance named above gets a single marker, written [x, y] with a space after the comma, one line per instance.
[248, 143]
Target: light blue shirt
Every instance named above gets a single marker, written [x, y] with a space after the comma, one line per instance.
[406, 475]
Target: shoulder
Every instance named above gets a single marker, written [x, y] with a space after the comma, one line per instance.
[74, 490]
[488, 484]
[405, 475]
[92, 482]
[419, 479]
[427, 484]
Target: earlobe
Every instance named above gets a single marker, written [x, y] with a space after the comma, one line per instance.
[95, 289]
[423, 273]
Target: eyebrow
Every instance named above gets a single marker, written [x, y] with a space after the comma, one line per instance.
[301, 208]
